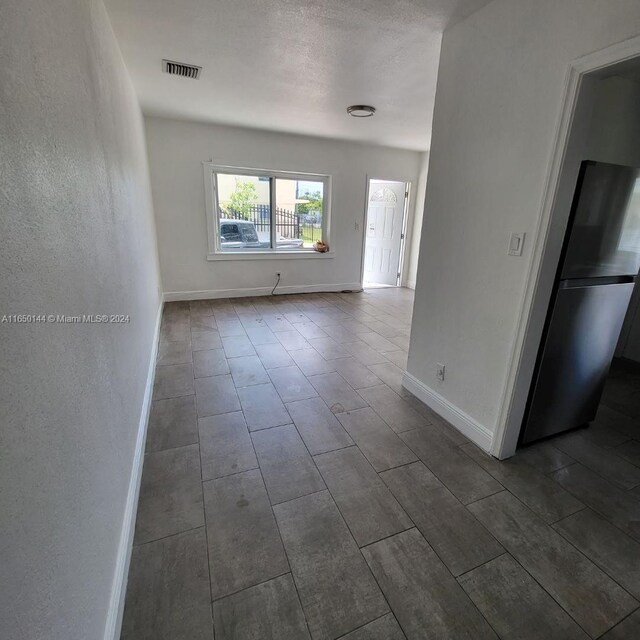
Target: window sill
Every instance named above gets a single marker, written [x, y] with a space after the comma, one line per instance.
[271, 255]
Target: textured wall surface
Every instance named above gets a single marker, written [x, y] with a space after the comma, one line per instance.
[77, 232]
[176, 152]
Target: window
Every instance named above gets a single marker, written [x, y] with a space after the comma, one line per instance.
[265, 212]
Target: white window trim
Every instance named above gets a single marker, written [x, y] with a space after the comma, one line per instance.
[215, 253]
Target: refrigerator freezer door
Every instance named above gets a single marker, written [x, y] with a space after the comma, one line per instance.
[581, 340]
[605, 235]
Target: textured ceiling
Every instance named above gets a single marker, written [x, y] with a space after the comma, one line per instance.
[289, 65]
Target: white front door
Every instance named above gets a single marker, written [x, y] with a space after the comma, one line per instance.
[383, 238]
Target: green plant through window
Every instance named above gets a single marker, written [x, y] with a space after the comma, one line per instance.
[243, 198]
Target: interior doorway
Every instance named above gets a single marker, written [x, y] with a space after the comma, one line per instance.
[598, 123]
[384, 235]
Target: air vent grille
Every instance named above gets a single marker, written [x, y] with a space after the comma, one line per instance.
[181, 69]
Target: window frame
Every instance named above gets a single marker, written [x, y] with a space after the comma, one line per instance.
[215, 252]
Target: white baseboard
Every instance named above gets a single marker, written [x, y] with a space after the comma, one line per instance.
[410, 284]
[459, 419]
[174, 296]
[119, 588]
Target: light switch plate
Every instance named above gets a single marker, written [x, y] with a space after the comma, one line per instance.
[516, 242]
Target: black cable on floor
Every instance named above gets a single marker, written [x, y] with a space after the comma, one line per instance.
[277, 283]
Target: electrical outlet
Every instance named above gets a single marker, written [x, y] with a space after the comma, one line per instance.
[440, 371]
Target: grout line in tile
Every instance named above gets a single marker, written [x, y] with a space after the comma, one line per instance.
[171, 535]
[362, 626]
[618, 623]
[206, 532]
[467, 504]
[228, 475]
[595, 564]
[182, 446]
[257, 584]
[587, 635]
[482, 564]
[555, 522]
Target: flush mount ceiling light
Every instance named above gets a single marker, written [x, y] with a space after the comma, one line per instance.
[361, 111]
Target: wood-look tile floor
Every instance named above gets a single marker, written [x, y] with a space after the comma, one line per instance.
[293, 489]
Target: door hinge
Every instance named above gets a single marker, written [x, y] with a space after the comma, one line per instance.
[398, 274]
[402, 236]
[406, 194]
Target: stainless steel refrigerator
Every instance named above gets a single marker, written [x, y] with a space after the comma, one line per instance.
[598, 267]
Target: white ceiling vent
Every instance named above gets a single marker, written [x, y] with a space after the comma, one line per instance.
[181, 69]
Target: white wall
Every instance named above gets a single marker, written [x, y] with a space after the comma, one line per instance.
[77, 238]
[414, 228]
[499, 97]
[176, 152]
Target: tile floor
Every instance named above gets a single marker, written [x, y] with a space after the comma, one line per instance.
[292, 489]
